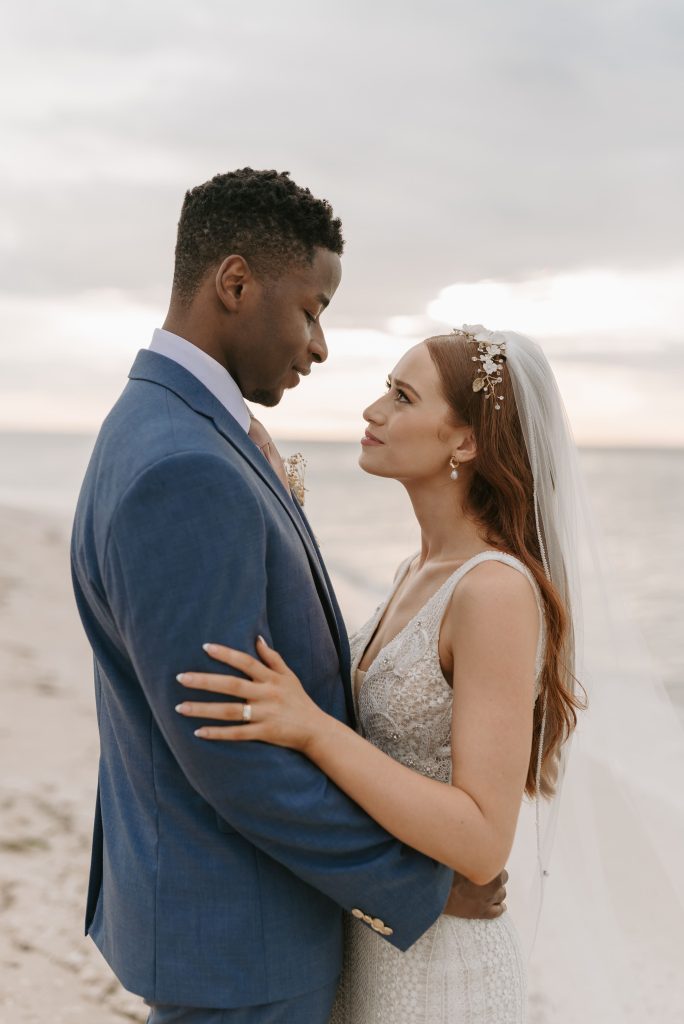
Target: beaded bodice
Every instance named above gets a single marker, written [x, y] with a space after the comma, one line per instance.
[404, 703]
[460, 971]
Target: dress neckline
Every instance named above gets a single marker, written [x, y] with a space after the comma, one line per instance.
[377, 618]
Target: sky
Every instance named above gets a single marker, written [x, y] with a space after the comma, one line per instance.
[512, 164]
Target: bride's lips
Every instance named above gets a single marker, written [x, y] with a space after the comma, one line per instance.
[369, 441]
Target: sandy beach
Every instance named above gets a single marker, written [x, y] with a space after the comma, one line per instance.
[48, 768]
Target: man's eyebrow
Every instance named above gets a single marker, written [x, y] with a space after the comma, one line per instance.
[405, 386]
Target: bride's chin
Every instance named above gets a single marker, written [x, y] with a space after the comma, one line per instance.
[367, 466]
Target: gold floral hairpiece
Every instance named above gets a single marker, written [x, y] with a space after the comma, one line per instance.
[491, 348]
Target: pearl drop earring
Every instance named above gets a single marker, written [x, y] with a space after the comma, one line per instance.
[453, 462]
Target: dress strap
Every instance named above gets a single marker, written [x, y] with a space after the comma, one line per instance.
[443, 595]
[434, 611]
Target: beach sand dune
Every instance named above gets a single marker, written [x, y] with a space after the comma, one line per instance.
[49, 971]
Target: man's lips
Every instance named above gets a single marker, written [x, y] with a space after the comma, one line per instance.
[297, 373]
[368, 440]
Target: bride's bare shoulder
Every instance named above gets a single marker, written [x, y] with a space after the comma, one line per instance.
[492, 621]
[497, 590]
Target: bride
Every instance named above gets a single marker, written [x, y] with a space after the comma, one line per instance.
[463, 678]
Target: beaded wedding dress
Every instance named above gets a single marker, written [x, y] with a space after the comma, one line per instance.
[460, 971]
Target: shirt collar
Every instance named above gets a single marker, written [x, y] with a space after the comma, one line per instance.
[206, 369]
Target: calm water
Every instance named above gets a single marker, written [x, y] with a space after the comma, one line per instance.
[365, 525]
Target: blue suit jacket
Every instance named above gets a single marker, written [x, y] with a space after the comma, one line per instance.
[219, 871]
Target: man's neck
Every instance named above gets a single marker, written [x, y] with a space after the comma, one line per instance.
[197, 332]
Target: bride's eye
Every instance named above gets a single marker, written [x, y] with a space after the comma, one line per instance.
[401, 395]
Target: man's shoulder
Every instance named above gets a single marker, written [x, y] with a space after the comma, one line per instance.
[155, 439]
[150, 423]
[150, 413]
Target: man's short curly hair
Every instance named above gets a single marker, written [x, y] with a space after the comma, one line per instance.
[260, 215]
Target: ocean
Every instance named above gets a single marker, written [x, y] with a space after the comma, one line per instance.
[365, 525]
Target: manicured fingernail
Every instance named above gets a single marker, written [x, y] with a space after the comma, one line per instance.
[209, 647]
[184, 677]
[260, 637]
[180, 708]
[199, 732]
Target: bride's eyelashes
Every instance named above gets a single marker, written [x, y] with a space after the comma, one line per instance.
[401, 395]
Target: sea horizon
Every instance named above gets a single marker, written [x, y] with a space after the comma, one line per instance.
[8, 432]
[366, 526]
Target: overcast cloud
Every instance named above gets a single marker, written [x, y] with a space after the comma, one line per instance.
[457, 141]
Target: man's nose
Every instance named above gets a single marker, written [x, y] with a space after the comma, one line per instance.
[318, 347]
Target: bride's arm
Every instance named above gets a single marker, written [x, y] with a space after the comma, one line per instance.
[492, 624]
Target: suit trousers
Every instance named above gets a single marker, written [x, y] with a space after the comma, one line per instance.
[310, 1008]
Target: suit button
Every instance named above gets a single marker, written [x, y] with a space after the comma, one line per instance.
[387, 931]
[378, 924]
[357, 913]
[367, 919]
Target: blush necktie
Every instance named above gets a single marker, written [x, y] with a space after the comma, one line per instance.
[264, 442]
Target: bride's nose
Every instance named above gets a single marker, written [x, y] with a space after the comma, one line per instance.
[373, 413]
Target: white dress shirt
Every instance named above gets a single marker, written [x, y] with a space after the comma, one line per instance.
[206, 369]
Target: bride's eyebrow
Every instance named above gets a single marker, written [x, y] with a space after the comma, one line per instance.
[406, 387]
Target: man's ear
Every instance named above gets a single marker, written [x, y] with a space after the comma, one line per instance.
[231, 278]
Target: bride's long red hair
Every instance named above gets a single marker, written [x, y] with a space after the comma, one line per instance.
[501, 500]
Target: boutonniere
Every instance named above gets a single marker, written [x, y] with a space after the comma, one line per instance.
[295, 467]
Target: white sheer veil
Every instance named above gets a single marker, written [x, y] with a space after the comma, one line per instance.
[610, 943]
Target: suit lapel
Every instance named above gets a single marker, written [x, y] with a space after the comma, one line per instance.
[158, 369]
[345, 660]
[237, 437]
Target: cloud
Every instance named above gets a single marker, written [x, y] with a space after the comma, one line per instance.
[516, 164]
[619, 311]
[65, 360]
[76, 351]
[457, 141]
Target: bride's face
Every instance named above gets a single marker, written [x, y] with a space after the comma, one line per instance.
[410, 434]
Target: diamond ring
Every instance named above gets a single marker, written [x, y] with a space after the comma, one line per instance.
[246, 712]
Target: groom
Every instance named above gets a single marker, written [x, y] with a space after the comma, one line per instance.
[220, 871]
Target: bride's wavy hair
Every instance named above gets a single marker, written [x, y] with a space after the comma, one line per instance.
[501, 500]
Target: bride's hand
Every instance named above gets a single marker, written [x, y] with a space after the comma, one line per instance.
[280, 710]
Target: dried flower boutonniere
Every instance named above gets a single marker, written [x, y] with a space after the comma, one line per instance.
[295, 467]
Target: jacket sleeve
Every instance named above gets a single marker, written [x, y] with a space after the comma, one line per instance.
[185, 562]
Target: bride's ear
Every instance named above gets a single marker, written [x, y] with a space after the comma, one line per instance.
[466, 445]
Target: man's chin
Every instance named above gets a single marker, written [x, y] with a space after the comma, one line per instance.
[267, 398]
